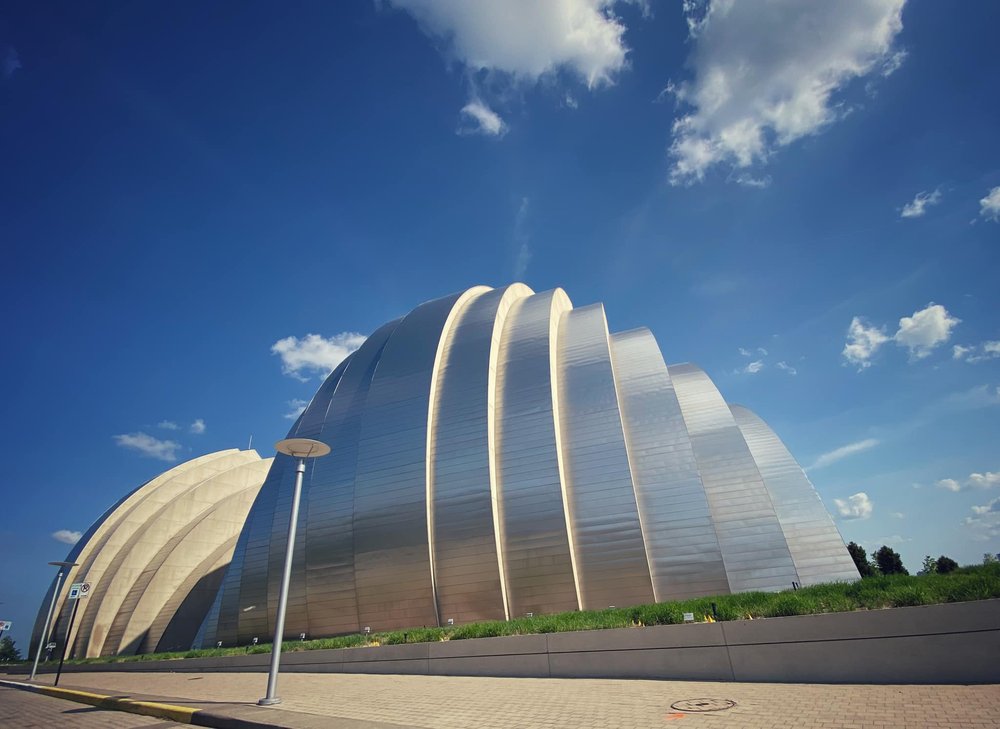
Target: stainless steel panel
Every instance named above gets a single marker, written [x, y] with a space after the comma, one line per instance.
[538, 566]
[464, 541]
[684, 554]
[329, 528]
[753, 546]
[607, 538]
[391, 549]
[816, 546]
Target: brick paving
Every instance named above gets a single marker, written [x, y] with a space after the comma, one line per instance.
[451, 702]
[23, 710]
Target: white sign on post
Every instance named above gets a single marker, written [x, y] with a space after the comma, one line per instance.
[4, 625]
[78, 590]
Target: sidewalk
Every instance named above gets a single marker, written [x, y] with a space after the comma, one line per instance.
[354, 701]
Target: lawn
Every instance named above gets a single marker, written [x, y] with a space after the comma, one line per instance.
[872, 593]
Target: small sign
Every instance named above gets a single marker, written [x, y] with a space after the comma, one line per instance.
[78, 590]
[4, 625]
[688, 617]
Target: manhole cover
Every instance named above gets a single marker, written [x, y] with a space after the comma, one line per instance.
[691, 706]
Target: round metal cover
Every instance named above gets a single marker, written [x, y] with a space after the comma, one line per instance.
[691, 706]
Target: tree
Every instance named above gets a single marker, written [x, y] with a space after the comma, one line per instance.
[989, 558]
[944, 565]
[860, 558]
[889, 561]
[929, 566]
[7, 650]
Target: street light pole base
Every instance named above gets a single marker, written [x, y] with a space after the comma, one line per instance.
[269, 702]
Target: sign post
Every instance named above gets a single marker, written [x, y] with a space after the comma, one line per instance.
[4, 627]
[77, 591]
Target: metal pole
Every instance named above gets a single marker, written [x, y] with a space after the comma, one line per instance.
[69, 634]
[279, 625]
[45, 628]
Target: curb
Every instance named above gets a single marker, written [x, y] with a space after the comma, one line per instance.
[179, 714]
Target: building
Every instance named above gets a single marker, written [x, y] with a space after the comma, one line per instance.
[495, 453]
[498, 452]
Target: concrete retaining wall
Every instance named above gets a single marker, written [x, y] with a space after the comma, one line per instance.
[956, 643]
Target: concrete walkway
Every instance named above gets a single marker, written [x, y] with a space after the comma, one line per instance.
[353, 701]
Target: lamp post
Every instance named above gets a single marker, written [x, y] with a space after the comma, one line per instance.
[300, 448]
[45, 628]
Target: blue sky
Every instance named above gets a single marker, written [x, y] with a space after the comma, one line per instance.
[801, 197]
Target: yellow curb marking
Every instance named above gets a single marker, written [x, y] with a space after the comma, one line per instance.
[180, 714]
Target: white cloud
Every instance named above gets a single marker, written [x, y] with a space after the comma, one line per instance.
[198, 426]
[989, 206]
[984, 480]
[925, 330]
[147, 445]
[843, 452]
[949, 484]
[897, 515]
[754, 367]
[985, 522]
[67, 536]
[921, 333]
[297, 406]
[977, 352]
[862, 343]
[487, 121]
[992, 507]
[787, 368]
[746, 352]
[314, 354]
[858, 506]
[526, 39]
[975, 481]
[765, 75]
[920, 203]
[168, 425]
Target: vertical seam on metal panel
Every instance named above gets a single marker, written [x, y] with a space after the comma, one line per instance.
[628, 455]
[555, 320]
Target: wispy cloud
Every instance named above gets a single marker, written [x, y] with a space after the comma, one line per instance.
[314, 354]
[522, 239]
[767, 74]
[977, 352]
[197, 427]
[785, 367]
[838, 454]
[918, 206]
[754, 367]
[11, 61]
[989, 206]
[858, 506]
[147, 445]
[67, 536]
[483, 120]
[921, 333]
[985, 521]
[168, 425]
[297, 407]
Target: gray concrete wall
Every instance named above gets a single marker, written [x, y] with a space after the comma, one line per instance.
[956, 643]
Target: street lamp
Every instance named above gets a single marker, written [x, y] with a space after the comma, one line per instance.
[45, 629]
[300, 448]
